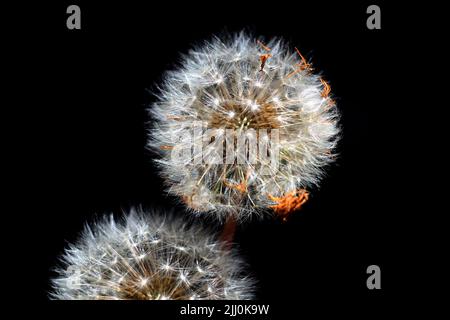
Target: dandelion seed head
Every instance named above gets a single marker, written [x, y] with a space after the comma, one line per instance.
[238, 85]
[120, 262]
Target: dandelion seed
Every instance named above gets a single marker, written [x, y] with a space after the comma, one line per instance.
[142, 256]
[183, 277]
[254, 106]
[167, 267]
[143, 282]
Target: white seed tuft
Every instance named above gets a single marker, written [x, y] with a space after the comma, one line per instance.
[122, 261]
[238, 83]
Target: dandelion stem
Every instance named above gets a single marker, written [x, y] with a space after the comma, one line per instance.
[229, 230]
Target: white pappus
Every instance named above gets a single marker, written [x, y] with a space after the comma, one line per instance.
[239, 83]
[149, 257]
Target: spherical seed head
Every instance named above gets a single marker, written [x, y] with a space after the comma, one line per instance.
[149, 258]
[239, 88]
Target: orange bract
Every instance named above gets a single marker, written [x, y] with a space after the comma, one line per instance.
[303, 65]
[241, 187]
[326, 88]
[263, 45]
[263, 57]
[289, 202]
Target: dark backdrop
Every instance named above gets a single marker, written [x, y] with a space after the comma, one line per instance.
[86, 153]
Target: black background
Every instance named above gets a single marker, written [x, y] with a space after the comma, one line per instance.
[86, 152]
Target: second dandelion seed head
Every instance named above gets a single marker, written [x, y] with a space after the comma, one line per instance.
[149, 257]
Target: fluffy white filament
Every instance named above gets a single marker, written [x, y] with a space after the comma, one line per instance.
[149, 258]
[225, 85]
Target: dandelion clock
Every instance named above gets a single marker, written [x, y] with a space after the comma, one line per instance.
[243, 128]
[149, 257]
